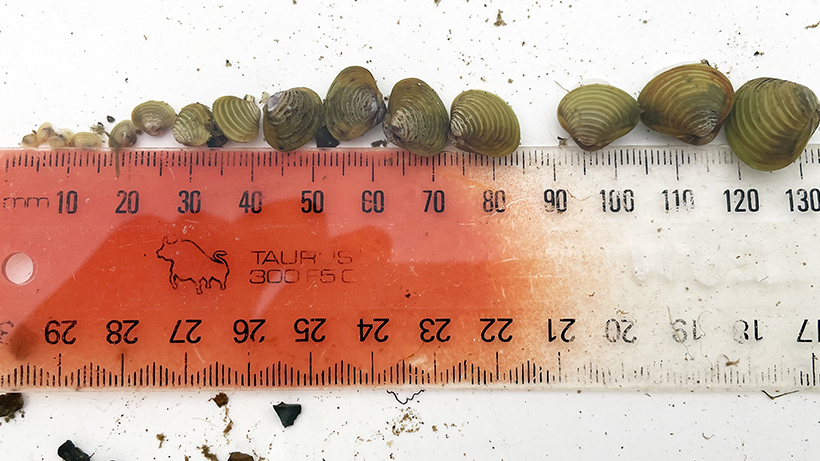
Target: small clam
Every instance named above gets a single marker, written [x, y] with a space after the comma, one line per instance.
[416, 119]
[291, 118]
[483, 123]
[595, 115]
[60, 138]
[353, 104]
[85, 140]
[153, 117]
[237, 118]
[194, 125]
[30, 140]
[44, 132]
[689, 102]
[124, 134]
[772, 122]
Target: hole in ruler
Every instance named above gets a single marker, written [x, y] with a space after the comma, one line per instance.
[18, 268]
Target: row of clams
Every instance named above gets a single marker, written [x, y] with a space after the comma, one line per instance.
[768, 121]
[416, 118]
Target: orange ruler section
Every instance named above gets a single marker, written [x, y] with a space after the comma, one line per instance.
[374, 267]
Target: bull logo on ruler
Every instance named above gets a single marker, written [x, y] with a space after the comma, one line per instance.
[190, 264]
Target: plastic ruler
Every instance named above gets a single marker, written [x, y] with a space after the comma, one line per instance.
[631, 267]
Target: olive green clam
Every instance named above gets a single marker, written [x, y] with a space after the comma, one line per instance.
[124, 134]
[689, 102]
[194, 125]
[291, 117]
[237, 118]
[483, 123]
[772, 122]
[595, 115]
[153, 117]
[85, 140]
[353, 104]
[416, 119]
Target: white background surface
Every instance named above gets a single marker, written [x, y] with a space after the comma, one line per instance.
[74, 63]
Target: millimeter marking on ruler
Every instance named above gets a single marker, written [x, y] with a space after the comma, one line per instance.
[639, 267]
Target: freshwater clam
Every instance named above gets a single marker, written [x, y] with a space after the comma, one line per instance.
[291, 117]
[85, 140]
[595, 115]
[483, 123]
[44, 132]
[353, 104]
[153, 117]
[30, 140]
[124, 134]
[60, 138]
[194, 126]
[416, 119]
[772, 122]
[689, 102]
[237, 118]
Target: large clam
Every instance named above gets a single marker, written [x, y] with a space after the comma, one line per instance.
[291, 118]
[416, 119]
[689, 102]
[595, 115]
[483, 123]
[353, 104]
[772, 122]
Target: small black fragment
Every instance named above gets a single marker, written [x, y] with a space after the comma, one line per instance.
[69, 452]
[110, 119]
[287, 412]
[237, 456]
[220, 399]
[10, 403]
[217, 141]
[379, 143]
[324, 138]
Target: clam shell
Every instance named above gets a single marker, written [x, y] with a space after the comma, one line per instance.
[772, 122]
[44, 132]
[483, 123]
[153, 117]
[85, 140]
[194, 125]
[689, 102]
[30, 140]
[596, 115]
[124, 134]
[353, 104]
[60, 138]
[237, 118]
[291, 117]
[416, 119]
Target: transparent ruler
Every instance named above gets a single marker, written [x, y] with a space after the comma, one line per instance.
[636, 268]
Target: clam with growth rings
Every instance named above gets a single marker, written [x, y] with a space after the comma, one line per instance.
[689, 102]
[291, 118]
[595, 115]
[237, 118]
[483, 123]
[353, 104]
[416, 119]
[153, 117]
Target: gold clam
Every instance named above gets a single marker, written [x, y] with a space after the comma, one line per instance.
[772, 122]
[689, 102]
[595, 115]
[416, 119]
[483, 123]
[237, 118]
[291, 117]
[194, 126]
[85, 140]
[124, 134]
[353, 104]
[153, 117]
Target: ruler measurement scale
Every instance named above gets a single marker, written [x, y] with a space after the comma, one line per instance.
[544, 210]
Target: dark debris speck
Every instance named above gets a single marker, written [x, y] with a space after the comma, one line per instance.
[69, 452]
[287, 412]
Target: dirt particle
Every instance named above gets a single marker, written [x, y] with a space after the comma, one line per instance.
[409, 422]
[161, 438]
[562, 141]
[228, 63]
[498, 21]
[509, 80]
[206, 452]
[759, 53]
[813, 26]
[379, 143]
[287, 412]
[9, 404]
[228, 427]
[110, 119]
[220, 399]
[69, 452]
[237, 456]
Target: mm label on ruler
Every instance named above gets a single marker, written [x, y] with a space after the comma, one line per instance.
[626, 268]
